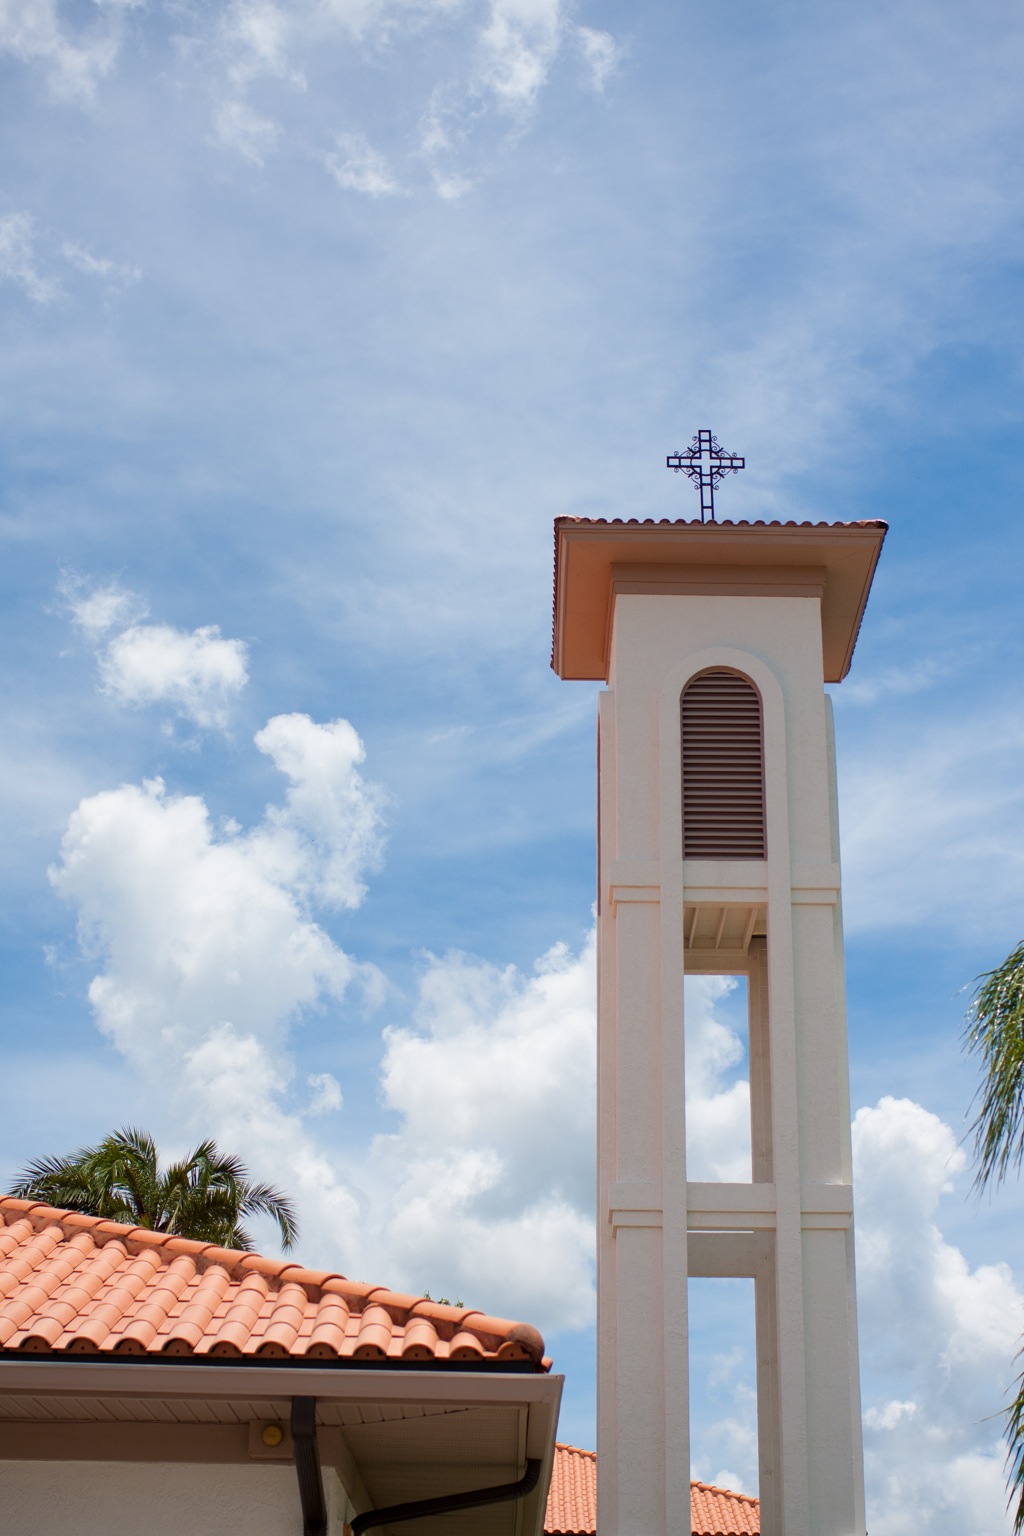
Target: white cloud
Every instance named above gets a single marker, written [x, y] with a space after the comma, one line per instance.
[357, 166]
[258, 37]
[242, 128]
[115, 274]
[886, 1415]
[206, 956]
[519, 45]
[23, 262]
[198, 673]
[735, 1438]
[18, 260]
[507, 56]
[717, 1096]
[235, 1082]
[95, 609]
[206, 953]
[492, 1164]
[76, 61]
[326, 1096]
[601, 53]
[933, 823]
[939, 1335]
[327, 833]
[191, 930]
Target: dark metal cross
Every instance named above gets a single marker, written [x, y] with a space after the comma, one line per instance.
[706, 463]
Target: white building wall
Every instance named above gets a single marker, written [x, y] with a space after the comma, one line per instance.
[111, 1498]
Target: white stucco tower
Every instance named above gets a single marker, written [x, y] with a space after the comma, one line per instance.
[718, 852]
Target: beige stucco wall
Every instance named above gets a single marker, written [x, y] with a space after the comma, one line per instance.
[109, 1498]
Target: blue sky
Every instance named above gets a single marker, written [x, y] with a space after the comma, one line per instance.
[313, 315]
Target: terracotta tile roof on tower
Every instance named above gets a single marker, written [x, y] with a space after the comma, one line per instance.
[572, 1501]
[721, 522]
[76, 1284]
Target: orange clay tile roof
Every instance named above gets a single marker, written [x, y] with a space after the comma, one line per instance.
[572, 1497]
[572, 1502]
[78, 1285]
[717, 1512]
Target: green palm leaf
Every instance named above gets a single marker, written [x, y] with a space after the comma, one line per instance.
[205, 1196]
[995, 1033]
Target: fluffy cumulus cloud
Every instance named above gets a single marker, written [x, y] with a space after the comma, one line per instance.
[327, 833]
[98, 607]
[488, 1181]
[938, 1337]
[717, 1089]
[198, 929]
[207, 955]
[196, 673]
[207, 951]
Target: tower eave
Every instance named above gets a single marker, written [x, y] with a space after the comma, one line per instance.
[595, 558]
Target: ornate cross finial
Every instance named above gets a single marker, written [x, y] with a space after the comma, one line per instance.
[706, 463]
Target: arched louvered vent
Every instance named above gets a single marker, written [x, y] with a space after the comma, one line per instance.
[723, 768]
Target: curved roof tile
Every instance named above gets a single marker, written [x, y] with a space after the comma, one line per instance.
[572, 1501]
[80, 1285]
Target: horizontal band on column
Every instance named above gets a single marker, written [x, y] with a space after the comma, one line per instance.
[635, 1203]
[752, 1207]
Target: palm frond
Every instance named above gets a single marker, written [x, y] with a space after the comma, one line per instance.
[203, 1196]
[1015, 1455]
[59, 1181]
[995, 1033]
[265, 1200]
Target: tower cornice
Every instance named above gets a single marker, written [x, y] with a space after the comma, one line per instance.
[596, 560]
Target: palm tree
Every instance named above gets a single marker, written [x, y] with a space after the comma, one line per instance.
[995, 1032]
[205, 1196]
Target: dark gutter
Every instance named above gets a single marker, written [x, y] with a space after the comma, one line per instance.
[307, 1467]
[474, 1498]
[278, 1362]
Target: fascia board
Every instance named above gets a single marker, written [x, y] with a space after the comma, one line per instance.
[86, 1377]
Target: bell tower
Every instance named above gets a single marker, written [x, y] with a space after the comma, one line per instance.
[718, 853]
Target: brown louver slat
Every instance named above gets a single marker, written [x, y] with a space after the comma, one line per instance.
[723, 768]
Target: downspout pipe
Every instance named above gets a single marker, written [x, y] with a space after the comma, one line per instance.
[474, 1498]
[307, 1467]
